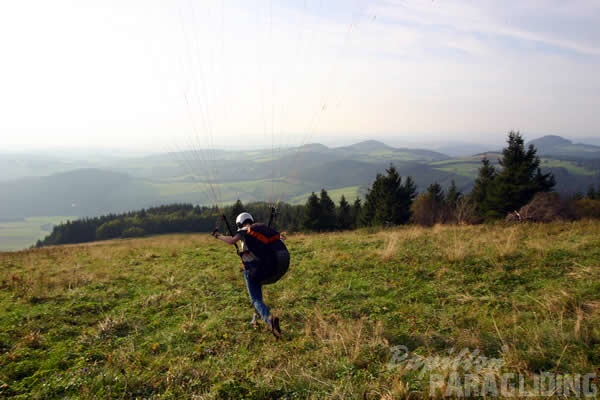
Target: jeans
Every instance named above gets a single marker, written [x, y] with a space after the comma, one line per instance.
[255, 292]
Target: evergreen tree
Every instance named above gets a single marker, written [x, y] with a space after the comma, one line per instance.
[327, 219]
[436, 193]
[405, 198]
[519, 179]
[388, 200]
[236, 210]
[483, 185]
[592, 194]
[344, 216]
[452, 196]
[312, 212]
[356, 213]
[437, 203]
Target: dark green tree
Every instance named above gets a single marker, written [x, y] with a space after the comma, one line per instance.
[405, 198]
[483, 186]
[452, 196]
[356, 212]
[328, 218]
[436, 193]
[388, 200]
[519, 179]
[592, 193]
[312, 213]
[236, 210]
[438, 202]
[345, 219]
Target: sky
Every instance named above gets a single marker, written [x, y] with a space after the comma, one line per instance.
[169, 75]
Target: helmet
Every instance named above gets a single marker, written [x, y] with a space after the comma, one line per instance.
[243, 218]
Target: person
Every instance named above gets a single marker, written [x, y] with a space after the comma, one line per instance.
[265, 258]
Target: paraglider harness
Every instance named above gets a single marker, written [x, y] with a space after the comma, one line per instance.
[271, 258]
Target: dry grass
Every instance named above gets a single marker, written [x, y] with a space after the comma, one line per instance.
[344, 338]
[172, 311]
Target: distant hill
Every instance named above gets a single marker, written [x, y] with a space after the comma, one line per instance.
[557, 146]
[376, 149]
[460, 149]
[588, 140]
[17, 165]
[314, 147]
[83, 192]
[122, 184]
[367, 146]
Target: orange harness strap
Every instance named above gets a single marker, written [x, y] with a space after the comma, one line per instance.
[263, 238]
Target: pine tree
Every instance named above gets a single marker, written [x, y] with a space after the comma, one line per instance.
[236, 210]
[327, 219]
[405, 198]
[452, 196]
[483, 185]
[312, 213]
[519, 179]
[356, 213]
[591, 193]
[344, 215]
[388, 201]
[437, 202]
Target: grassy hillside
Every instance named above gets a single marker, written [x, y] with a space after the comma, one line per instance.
[168, 317]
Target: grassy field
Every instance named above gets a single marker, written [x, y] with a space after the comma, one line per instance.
[369, 314]
[469, 169]
[568, 165]
[17, 235]
[349, 192]
[469, 166]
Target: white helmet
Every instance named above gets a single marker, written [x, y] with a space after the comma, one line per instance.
[243, 218]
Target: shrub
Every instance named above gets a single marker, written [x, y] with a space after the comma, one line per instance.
[544, 207]
[587, 208]
[133, 231]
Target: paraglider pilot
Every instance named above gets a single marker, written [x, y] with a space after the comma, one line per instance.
[265, 259]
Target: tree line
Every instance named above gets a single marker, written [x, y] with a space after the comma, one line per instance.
[515, 188]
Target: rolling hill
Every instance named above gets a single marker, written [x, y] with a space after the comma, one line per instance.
[82, 192]
[558, 147]
[121, 184]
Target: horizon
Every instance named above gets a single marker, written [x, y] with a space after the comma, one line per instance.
[147, 75]
[118, 152]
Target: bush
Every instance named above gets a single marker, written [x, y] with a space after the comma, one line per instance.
[587, 208]
[110, 230]
[133, 231]
[544, 207]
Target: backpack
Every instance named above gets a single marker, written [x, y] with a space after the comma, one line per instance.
[266, 244]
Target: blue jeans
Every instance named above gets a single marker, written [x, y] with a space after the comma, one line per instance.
[255, 292]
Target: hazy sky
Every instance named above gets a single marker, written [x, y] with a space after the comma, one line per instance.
[167, 74]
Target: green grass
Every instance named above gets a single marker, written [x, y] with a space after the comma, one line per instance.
[168, 316]
[469, 169]
[350, 192]
[17, 235]
[469, 166]
[571, 167]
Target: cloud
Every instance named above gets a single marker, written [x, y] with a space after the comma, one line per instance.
[119, 72]
[570, 26]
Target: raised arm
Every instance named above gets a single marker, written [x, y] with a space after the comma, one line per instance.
[228, 239]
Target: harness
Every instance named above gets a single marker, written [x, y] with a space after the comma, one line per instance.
[262, 237]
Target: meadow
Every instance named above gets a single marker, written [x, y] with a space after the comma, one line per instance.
[16, 235]
[168, 316]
